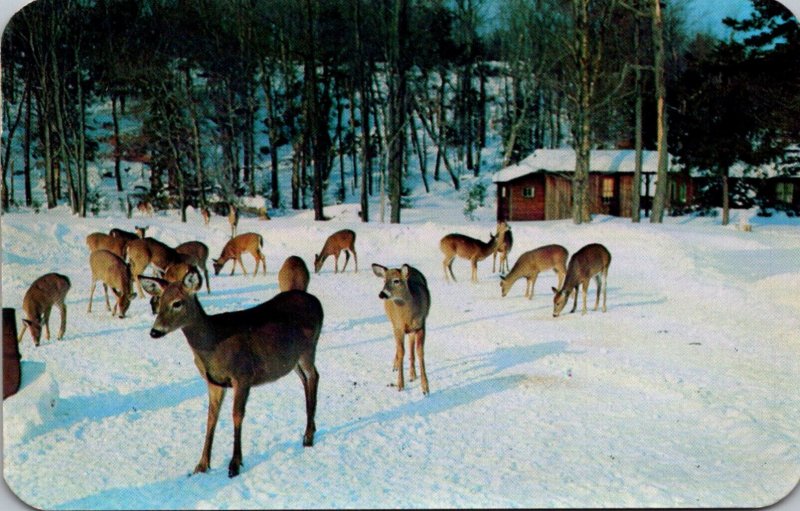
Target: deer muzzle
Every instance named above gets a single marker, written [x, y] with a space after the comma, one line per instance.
[383, 295]
[155, 334]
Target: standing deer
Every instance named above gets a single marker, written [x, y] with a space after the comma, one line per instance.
[337, 242]
[249, 242]
[111, 271]
[196, 254]
[233, 219]
[293, 274]
[45, 292]
[127, 235]
[241, 349]
[590, 261]
[531, 263]
[407, 301]
[145, 207]
[504, 243]
[472, 249]
[102, 241]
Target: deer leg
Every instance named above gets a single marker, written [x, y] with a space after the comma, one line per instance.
[355, 258]
[91, 294]
[605, 287]
[412, 370]
[398, 357]
[444, 265]
[528, 288]
[234, 266]
[336, 262]
[474, 270]
[310, 377]
[599, 283]
[494, 257]
[22, 332]
[62, 308]
[241, 263]
[240, 394]
[575, 303]
[584, 289]
[208, 281]
[215, 396]
[561, 276]
[46, 321]
[346, 260]
[105, 290]
[420, 345]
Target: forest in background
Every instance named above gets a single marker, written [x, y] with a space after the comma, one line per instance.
[357, 93]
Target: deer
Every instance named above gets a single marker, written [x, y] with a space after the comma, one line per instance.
[145, 207]
[112, 271]
[504, 244]
[127, 235]
[196, 253]
[206, 214]
[46, 291]
[233, 219]
[242, 349]
[469, 248]
[337, 242]
[102, 241]
[406, 300]
[531, 263]
[590, 261]
[293, 274]
[249, 242]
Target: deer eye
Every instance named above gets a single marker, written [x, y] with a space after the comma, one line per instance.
[177, 304]
[396, 282]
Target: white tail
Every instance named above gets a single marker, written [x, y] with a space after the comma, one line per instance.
[407, 301]
[112, 272]
[344, 240]
[45, 292]
[531, 263]
[233, 219]
[293, 274]
[590, 261]
[248, 242]
[504, 243]
[242, 349]
[472, 249]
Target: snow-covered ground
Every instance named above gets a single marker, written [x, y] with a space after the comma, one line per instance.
[685, 393]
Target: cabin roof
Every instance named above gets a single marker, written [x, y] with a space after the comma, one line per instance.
[563, 160]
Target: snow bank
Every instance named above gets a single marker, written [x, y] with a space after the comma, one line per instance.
[33, 407]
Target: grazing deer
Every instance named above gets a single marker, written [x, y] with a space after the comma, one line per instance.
[531, 263]
[112, 271]
[206, 214]
[242, 349]
[334, 245]
[249, 242]
[472, 249]
[233, 219]
[407, 301]
[145, 207]
[293, 274]
[504, 244]
[196, 253]
[127, 235]
[102, 241]
[590, 261]
[45, 292]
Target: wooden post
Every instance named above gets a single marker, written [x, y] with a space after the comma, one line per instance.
[11, 355]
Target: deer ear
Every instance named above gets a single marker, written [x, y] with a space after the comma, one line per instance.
[192, 281]
[152, 285]
[554, 290]
[378, 270]
[405, 271]
[27, 322]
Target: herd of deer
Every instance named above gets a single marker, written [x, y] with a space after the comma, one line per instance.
[244, 348]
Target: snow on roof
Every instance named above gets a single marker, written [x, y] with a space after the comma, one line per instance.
[563, 160]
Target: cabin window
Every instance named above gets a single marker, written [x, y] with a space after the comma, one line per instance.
[608, 190]
[784, 192]
[527, 192]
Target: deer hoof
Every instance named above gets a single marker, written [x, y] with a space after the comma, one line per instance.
[200, 468]
[233, 469]
[308, 440]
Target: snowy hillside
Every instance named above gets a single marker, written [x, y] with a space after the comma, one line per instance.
[683, 394]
